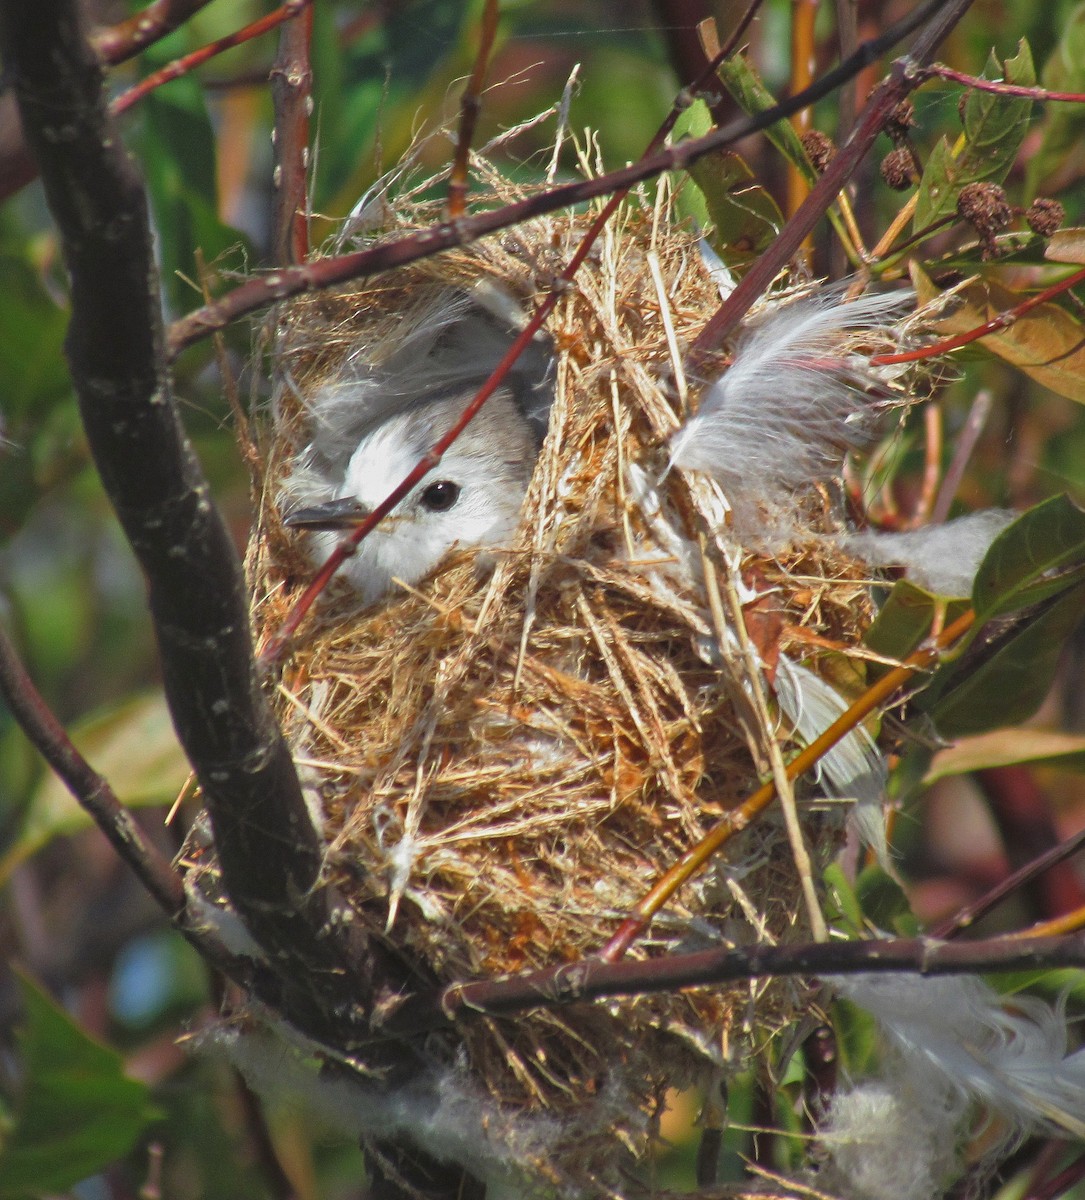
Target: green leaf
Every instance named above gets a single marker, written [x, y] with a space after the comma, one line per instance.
[1013, 675]
[994, 128]
[133, 746]
[1038, 556]
[884, 902]
[77, 1111]
[1007, 747]
[848, 914]
[1002, 673]
[743, 82]
[1063, 125]
[745, 218]
[905, 619]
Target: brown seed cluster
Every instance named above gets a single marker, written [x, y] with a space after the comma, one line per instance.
[898, 169]
[819, 147]
[1045, 216]
[985, 207]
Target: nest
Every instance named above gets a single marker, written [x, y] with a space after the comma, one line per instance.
[506, 756]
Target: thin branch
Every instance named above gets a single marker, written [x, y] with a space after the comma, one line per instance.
[279, 285]
[1001, 321]
[189, 62]
[470, 105]
[93, 793]
[594, 979]
[966, 917]
[142, 29]
[1039, 94]
[91, 790]
[292, 96]
[964, 444]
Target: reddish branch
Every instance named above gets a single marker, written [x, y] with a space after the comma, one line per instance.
[1039, 94]
[966, 917]
[941, 15]
[470, 105]
[142, 29]
[1001, 321]
[292, 95]
[189, 62]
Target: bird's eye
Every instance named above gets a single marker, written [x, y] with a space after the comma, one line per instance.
[440, 496]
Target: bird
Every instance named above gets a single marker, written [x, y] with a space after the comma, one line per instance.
[472, 498]
[387, 406]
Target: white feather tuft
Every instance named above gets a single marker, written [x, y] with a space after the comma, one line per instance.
[881, 1143]
[790, 406]
[854, 768]
[1007, 1053]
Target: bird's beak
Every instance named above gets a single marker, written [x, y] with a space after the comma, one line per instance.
[335, 514]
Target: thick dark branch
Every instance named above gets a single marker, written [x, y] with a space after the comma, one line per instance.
[278, 285]
[593, 979]
[268, 849]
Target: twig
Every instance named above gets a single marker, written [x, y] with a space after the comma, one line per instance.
[1002, 321]
[738, 818]
[964, 444]
[595, 979]
[189, 62]
[932, 467]
[1060, 1184]
[279, 285]
[142, 29]
[91, 790]
[470, 105]
[964, 918]
[1039, 94]
[292, 96]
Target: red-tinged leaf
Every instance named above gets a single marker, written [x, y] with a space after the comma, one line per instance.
[1047, 342]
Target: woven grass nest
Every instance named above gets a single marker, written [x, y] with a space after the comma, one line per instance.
[507, 755]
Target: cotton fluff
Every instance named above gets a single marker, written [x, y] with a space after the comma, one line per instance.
[941, 558]
[956, 1049]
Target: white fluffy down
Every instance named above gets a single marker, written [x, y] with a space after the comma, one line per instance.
[941, 558]
[958, 1053]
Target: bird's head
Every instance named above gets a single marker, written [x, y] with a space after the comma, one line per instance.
[471, 498]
